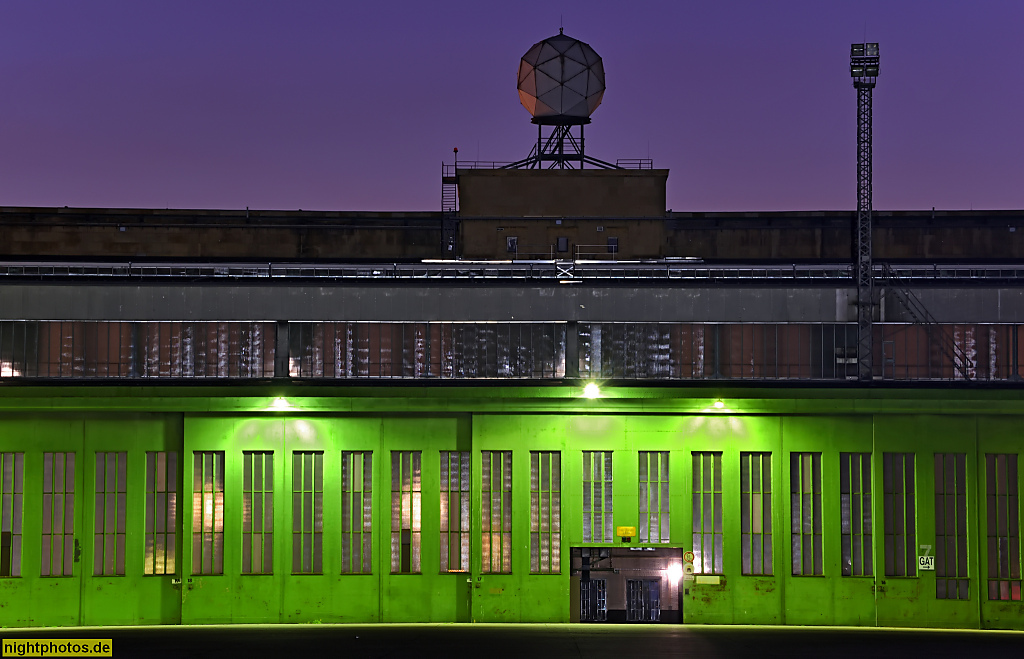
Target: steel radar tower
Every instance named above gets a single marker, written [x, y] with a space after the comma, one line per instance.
[560, 83]
[864, 70]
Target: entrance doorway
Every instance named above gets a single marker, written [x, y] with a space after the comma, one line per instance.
[643, 600]
[594, 600]
[626, 584]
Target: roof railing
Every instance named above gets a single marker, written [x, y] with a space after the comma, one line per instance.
[593, 262]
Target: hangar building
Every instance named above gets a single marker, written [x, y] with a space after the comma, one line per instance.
[551, 401]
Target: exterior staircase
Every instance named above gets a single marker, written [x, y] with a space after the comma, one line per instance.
[946, 345]
[449, 189]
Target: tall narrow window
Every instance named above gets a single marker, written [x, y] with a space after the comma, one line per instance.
[11, 465]
[756, 512]
[1003, 512]
[307, 512]
[900, 515]
[805, 511]
[707, 513]
[855, 513]
[406, 505]
[208, 512]
[258, 512]
[455, 511]
[496, 511]
[110, 517]
[356, 512]
[951, 580]
[654, 509]
[161, 512]
[58, 514]
[545, 512]
[597, 496]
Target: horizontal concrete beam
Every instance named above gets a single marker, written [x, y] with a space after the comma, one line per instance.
[566, 302]
[961, 305]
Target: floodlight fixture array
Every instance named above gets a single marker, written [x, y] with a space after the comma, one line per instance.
[864, 63]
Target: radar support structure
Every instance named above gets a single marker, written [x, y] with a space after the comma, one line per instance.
[864, 70]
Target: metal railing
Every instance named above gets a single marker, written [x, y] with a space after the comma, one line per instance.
[450, 169]
[635, 163]
[947, 272]
[922, 316]
[539, 252]
[596, 252]
[602, 266]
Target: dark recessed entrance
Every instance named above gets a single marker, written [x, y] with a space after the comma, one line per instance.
[626, 584]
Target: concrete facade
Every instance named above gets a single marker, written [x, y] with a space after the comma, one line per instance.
[214, 234]
[562, 193]
[55, 233]
[560, 238]
[468, 302]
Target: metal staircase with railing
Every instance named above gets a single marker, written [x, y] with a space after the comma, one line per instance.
[938, 341]
[449, 189]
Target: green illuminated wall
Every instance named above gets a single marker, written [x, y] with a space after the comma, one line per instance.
[520, 419]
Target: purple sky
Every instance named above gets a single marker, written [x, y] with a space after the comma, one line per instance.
[344, 105]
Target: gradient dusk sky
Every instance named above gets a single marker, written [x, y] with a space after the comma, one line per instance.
[343, 105]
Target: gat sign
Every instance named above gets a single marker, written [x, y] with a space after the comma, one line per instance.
[926, 562]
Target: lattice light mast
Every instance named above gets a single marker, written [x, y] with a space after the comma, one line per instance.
[864, 70]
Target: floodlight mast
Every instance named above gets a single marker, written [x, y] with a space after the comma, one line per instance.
[864, 70]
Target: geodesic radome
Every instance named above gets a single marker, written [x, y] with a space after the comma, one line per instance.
[561, 80]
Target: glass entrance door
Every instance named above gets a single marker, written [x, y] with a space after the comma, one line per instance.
[643, 600]
[594, 600]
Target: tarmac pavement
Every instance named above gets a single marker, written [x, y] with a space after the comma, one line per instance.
[535, 641]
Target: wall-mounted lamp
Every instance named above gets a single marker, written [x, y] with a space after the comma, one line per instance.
[591, 390]
[719, 404]
[280, 404]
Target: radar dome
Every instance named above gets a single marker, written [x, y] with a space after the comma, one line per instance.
[561, 81]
